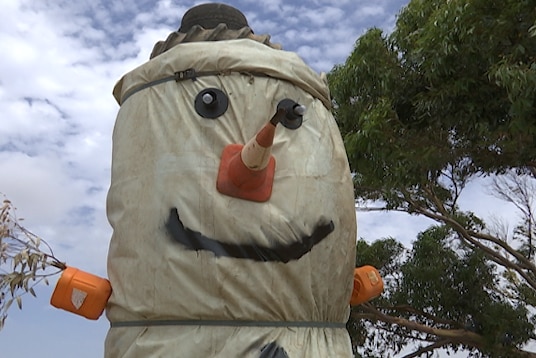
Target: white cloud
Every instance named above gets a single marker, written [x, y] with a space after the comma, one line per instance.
[324, 16]
[33, 183]
[369, 10]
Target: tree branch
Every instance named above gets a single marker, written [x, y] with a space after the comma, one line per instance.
[439, 206]
[455, 336]
[492, 254]
[444, 217]
[410, 309]
[429, 348]
[447, 336]
[524, 262]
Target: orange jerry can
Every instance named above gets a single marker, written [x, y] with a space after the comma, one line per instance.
[81, 293]
[368, 284]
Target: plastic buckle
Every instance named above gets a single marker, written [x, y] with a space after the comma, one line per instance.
[188, 74]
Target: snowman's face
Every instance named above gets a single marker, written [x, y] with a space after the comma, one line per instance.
[177, 154]
[254, 184]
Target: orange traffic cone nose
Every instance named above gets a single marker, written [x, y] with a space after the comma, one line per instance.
[256, 153]
[247, 171]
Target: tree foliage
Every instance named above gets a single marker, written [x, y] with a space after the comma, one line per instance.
[455, 84]
[448, 97]
[443, 293]
[25, 260]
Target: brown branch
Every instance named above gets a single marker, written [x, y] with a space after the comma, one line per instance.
[492, 254]
[372, 318]
[446, 336]
[429, 348]
[453, 335]
[460, 229]
[525, 263]
[429, 316]
[445, 215]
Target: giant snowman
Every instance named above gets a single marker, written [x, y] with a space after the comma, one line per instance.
[231, 201]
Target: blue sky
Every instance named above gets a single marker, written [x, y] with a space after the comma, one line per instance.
[60, 61]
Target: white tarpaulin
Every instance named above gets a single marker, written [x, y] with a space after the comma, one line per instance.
[197, 273]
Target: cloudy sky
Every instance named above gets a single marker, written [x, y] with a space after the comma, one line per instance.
[60, 61]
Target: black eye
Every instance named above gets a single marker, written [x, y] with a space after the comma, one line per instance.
[293, 113]
[211, 103]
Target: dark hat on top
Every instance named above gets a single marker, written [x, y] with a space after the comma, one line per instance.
[211, 15]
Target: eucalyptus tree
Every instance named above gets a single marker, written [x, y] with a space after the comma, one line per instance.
[448, 97]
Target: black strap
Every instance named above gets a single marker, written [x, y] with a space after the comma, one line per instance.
[225, 323]
[189, 74]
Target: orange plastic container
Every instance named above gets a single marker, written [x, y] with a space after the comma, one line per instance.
[368, 284]
[81, 293]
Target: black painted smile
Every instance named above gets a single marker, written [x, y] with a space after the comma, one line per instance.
[194, 240]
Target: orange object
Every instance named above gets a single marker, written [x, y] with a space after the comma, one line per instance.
[247, 171]
[81, 293]
[368, 284]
